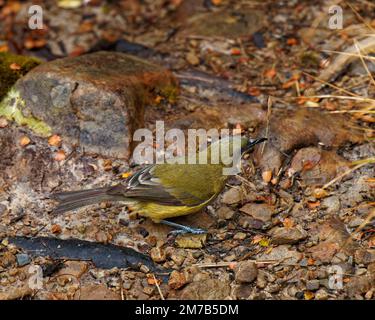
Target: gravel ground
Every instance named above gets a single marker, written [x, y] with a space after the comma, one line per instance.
[285, 228]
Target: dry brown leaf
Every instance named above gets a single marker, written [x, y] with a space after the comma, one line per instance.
[267, 176]
[4, 48]
[288, 223]
[270, 73]
[60, 155]
[309, 295]
[24, 141]
[55, 140]
[292, 42]
[56, 229]
[313, 205]
[14, 66]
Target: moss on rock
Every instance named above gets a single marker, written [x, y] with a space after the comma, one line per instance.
[12, 67]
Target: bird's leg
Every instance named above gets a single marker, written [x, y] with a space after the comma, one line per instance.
[181, 229]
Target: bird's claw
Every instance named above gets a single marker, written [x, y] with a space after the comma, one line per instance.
[187, 230]
[181, 229]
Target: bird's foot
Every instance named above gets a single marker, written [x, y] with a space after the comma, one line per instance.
[188, 230]
[181, 229]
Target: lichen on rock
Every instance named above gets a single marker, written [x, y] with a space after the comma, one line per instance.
[95, 101]
[11, 107]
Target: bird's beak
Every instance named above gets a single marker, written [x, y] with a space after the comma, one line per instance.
[251, 144]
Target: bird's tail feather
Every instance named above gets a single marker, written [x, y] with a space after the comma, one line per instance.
[75, 199]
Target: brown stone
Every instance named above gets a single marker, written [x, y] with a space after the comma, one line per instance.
[285, 235]
[210, 289]
[98, 292]
[360, 285]
[177, 280]
[282, 253]
[232, 196]
[225, 213]
[316, 166]
[259, 211]
[220, 116]
[95, 100]
[334, 238]
[242, 291]
[191, 241]
[157, 255]
[246, 272]
[324, 251]
[226, 24]
[290, 130]
[73, 268]
[7, 259]
[364, 256]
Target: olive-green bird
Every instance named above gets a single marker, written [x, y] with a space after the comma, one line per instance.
[162, 191]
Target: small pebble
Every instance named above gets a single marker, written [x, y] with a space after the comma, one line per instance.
[246, 272]
[239, 236]
[157, 255]
[13, 272]
[23, 259]
[312, 285]
[3, 209]
[331, 204]
[3, 122]
[177, 280]
[232, 196]
[321, 294]
[144, 269]
[369, 294]
[143, 232]
[178, 259]
[225, 213]
[303, 262]
[192, 58]
[300, 295]
[197, 254]
[361, 271]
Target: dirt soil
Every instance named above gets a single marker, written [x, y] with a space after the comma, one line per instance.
[297, 223]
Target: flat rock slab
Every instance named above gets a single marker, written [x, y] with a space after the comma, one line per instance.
[292, 130]
[316, 166]
[96, 101]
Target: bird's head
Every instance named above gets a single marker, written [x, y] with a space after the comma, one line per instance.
[229, 149]
[247, 144]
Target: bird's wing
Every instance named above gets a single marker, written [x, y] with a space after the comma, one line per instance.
[144, 185]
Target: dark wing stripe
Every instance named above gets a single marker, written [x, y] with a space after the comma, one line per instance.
[143, 186]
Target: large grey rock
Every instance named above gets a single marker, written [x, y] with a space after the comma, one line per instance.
[95, 101]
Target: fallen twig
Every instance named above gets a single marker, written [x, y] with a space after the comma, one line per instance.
[339, 177]
[158, 287]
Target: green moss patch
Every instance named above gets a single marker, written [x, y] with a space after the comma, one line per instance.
[11, 108]
[12, 67]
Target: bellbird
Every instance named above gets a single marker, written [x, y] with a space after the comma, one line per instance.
[161, 191]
